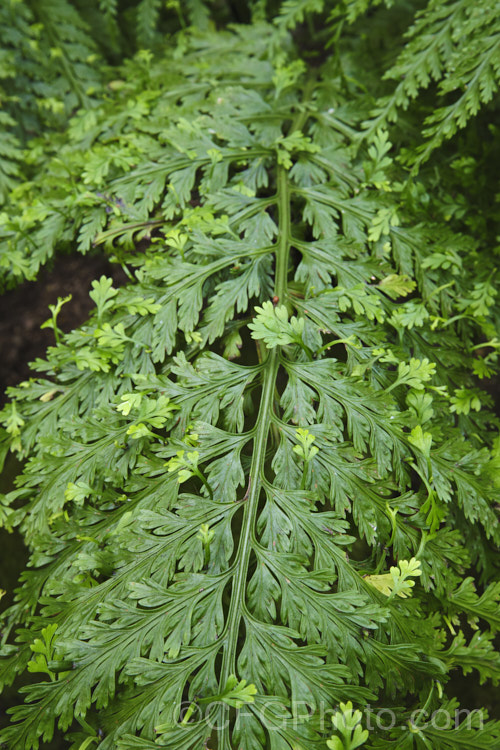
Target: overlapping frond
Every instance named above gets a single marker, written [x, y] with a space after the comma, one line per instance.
[455, 45]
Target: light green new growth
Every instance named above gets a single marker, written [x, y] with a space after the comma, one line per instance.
[271, 324]
[347, 724]
[395, 582]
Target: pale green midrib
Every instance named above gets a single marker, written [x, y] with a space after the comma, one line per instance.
[263, 427]
[251, 504]
[259, 453]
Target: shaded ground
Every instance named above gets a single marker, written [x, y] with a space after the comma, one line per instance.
[24, 309]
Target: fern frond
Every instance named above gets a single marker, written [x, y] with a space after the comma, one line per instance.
[147, 19]
[207, 533]
[457, 46]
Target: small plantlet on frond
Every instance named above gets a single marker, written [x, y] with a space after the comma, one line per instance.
[44, 658]
[347, 726]
[397, 582]
[271, 325]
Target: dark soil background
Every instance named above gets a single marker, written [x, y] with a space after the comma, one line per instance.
[24, 309]
[22, 312]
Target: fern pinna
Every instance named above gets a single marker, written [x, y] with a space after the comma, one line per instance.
[254, 488]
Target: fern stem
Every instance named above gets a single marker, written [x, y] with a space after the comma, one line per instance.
[203, 479]
[304, 476]
[237, 603]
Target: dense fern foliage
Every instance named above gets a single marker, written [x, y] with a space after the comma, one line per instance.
[260, 484]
